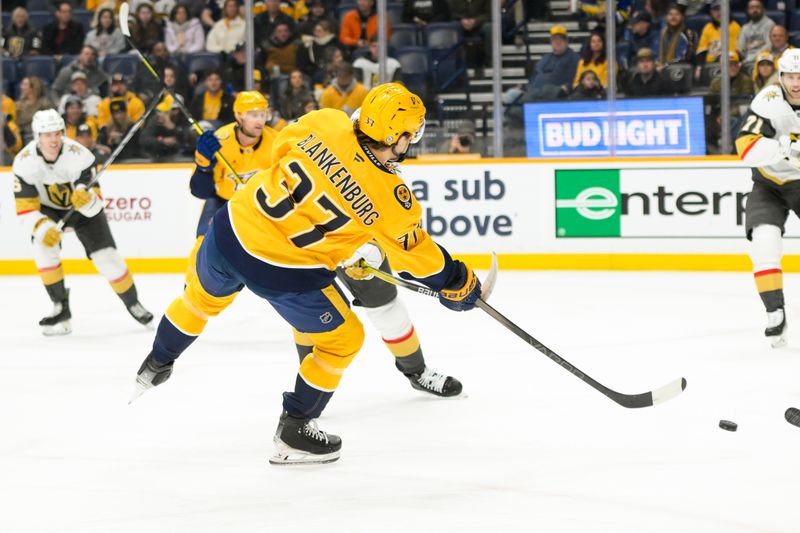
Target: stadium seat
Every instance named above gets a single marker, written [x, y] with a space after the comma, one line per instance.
[795, 41]
[84, 17]
[43, 67]
[6, 19]
[404, 35]
[125, 63]
[202, 61]
[444, 41]
[39, 5]
[740, 17]
[415, 65]
[9, 76]
[794, 21]
[40, 19]
[779, 17]
[697, 22]
[708, 73]
[343, 8]
[679, 77]
[394, 14]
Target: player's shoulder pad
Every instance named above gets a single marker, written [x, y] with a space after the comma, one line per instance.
[26, 161]
[76, 154]
[770, 103]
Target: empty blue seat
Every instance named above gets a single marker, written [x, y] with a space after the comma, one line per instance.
[404, 35]
[779, 17]
[84, 17]
[442, 35]
[38, 5]
[127, 64]
[43, 67]
[697, 22]
[40, 19]
[200, 61]
[415, 68]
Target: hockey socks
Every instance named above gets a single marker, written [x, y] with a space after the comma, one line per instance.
[769, 283]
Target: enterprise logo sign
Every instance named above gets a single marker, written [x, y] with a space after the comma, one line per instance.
[652, 127]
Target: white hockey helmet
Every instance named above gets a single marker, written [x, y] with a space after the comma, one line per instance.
[45, 121]
[789, 61]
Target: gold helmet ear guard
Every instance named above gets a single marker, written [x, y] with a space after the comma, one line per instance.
[388, 112]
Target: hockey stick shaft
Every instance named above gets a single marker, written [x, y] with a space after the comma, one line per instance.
[118, 150]
[645, 399]
[123, 22]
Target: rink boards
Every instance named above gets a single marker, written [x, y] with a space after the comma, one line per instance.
[628, 214]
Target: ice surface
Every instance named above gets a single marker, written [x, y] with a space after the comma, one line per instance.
[531, 448]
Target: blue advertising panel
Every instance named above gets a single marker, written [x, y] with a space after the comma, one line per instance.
[647, 127]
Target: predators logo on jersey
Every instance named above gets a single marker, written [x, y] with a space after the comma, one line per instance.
[245, 160]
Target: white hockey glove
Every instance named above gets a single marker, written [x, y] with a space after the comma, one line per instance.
[370, 253]
[46, 232]
[789, 150]
[86, 201]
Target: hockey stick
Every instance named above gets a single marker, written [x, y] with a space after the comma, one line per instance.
[124, 11]
[121, 146]
[645, 399]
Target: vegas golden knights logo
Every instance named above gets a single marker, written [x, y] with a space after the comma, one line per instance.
[60, 193]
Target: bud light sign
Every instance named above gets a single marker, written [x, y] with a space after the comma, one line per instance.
[651, 127]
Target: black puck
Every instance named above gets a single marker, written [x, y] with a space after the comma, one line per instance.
[727, 425]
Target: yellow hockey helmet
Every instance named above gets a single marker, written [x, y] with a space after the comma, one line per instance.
[390, 110]
[249, 101]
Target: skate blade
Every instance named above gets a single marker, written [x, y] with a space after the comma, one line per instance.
[138, 390]
[778, 341]
[285, 455]
[62, 328]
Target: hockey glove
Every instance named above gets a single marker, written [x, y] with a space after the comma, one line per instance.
[207, 146]
[789, 150]
[370, 253]
[462, 293]
[86, 202]
[46, 232]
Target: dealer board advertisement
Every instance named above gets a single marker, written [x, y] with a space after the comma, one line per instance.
[642, 127]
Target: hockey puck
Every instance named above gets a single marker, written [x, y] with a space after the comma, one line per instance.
[792, 416]
[727, 425]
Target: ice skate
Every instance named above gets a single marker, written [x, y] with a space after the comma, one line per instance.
[776, 328]
[57, 322]
[436, 383]
[300, 441]
[142, 315]
[151, 374]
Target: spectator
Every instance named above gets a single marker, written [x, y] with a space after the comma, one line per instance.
[78, 88]
[207, 11]
[63, 35]
[19, 38]
[318, 11]
[147, 86]
[163, 9]
[676, 42]
[175, 81]
[640, 34]
[710, 46]
[463, 141]
[112, 133]
[106, 38]
[32, 98]
[228, 31]
[83, 135]
[213, 104]
[314, 57]
[471, 15]
[163, 136]
[145, 29]
[233, 71]
[778, 42]
[86, 62]
[589, 87]
[74, 116]
[359, 25]
[647, 80]
[344, 92]
[183, 34]
[755, 33]
[593, 58]
[118, 91]
[596, 10]
[338, 59]
[264, 24]
[764, 71]
[423, 12]
[295, 97]
[555, 71]
[280, 52]
[366, 67]
[742, 89]
[12, 140]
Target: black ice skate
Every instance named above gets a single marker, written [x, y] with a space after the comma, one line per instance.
[151, 374]
[435, 383]
[300, 441]
[57, 323]
[142, 315]
[776, 328]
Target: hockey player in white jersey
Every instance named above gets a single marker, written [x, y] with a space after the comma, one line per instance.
[769, 141]
[51, 175]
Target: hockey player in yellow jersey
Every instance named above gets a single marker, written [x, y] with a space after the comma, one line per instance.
[330, 190]
[245, 143]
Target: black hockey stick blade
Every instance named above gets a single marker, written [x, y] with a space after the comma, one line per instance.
[792, 415]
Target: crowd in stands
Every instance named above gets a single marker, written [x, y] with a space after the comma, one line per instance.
[71, 54]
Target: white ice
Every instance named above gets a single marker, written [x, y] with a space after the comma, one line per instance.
[531, 448]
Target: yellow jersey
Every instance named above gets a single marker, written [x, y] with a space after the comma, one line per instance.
[245, 160]
[324, 196]
[711, 40]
